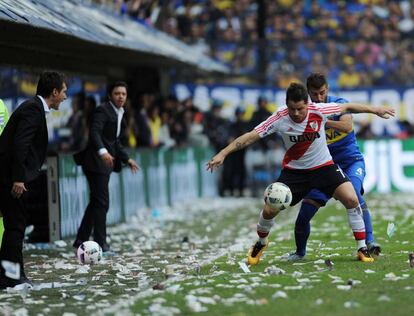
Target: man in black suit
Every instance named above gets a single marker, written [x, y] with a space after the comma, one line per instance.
[23, 146]
[103, 154]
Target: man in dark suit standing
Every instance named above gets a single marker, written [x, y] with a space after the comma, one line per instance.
[23, 146]
[103, 154]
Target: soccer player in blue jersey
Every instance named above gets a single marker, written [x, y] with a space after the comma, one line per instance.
[344, 149]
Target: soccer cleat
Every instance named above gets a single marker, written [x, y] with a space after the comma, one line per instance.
[294, 257]
[256, 252]
[364, 255]
[374, 248]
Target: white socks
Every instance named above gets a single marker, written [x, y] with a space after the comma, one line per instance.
[356, 221]
[263, 228]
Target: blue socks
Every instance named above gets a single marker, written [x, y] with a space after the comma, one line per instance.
[369, 237]
[302, 226]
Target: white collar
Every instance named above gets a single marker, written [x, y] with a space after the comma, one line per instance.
[117, 110]
[45, 106]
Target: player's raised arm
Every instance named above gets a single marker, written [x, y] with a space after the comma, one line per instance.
[240, 142]
[361, 108]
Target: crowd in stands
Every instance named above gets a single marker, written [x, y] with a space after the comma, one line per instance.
[358, 43]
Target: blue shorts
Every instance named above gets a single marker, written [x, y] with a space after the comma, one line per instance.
[355, 173]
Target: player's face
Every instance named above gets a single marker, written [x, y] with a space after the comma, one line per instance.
[297, 110]
[319, 95]
[119, 96]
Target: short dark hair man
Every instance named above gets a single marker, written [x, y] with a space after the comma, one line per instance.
[307, 160]
[103, 154]
[23, 145]
[344, 150]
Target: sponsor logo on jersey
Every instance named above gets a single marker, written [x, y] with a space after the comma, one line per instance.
[305, 137]
[333, 135]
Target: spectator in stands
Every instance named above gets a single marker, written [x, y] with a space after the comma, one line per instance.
[144, 137]
[103, 154]
[216, 127]
[349, 78]
[77, 125]
[23, 146]
[194, 128]
[154, 123]
[131, 126]
[89, 108]
[260, 115]
[234, 170]
[165, 138]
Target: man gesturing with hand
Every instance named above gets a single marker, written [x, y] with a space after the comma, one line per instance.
[103, 154]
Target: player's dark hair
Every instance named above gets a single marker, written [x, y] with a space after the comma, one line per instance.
[48, 81]
[114, 85]
[296, 93]
[315, 81]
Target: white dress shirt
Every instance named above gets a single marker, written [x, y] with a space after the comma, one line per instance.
[120, 113]
[45, 106]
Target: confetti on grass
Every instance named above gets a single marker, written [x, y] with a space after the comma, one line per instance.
[390, 230]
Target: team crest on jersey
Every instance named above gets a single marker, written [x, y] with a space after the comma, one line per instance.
[314, 125]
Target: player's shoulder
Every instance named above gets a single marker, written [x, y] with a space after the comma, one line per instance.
[312, 106]
[281, 111]
[335, 99]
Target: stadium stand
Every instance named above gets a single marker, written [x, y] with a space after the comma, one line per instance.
[357, 43]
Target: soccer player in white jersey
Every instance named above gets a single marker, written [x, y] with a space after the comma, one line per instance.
[307, 163]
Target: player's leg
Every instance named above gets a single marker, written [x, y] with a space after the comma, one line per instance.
[345, 193]
[310, 205]
[339, 186]
[296, 183]
[264, 225]
[356, 173]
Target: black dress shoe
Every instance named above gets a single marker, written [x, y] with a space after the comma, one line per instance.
[6, 282]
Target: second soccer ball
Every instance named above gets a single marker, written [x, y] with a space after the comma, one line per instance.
[89, 252]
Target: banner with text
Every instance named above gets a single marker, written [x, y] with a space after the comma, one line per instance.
[389, 165]
[232, 96]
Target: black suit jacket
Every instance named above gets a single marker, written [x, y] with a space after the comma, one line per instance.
[102, 134]
[23, 143]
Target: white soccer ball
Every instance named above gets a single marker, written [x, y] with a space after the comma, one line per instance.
[278, 196]
[89, 252]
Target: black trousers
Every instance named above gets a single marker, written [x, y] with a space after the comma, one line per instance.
[94, 218]
[15, 217]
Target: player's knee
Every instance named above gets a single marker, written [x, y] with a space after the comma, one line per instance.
[269, 212]
[350, 201]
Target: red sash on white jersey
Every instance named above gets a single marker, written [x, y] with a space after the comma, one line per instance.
[305, 142]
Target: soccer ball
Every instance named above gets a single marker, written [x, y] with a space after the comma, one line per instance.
[89, 252]
[278, 196]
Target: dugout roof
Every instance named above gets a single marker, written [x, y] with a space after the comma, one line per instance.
[73, 34]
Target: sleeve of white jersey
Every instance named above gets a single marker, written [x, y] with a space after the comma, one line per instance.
[271, 125]
[328, 109]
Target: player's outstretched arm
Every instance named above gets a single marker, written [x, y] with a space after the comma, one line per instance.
[237, 144]
[361, 108]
